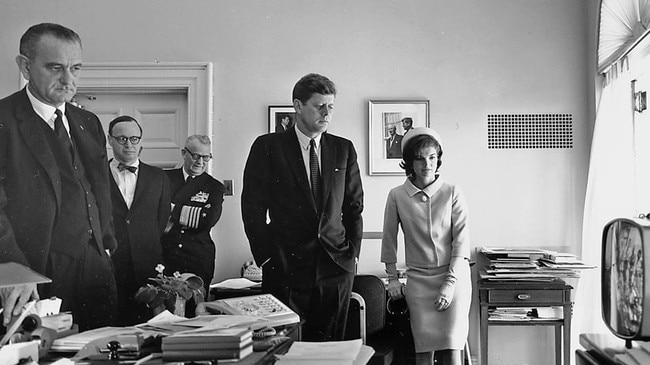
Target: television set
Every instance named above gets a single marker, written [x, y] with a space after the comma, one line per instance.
[626, 278]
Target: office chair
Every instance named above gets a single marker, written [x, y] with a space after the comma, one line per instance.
[367, 319]
[369, 299]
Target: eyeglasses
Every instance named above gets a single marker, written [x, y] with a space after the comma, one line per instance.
[196, 156]
[122, 140]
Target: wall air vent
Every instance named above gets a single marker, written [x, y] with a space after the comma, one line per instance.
[530, 131]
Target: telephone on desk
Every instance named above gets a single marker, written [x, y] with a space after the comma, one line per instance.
[265, 306]
[251, 271]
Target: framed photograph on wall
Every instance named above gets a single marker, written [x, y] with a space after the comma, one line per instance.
[388, 122]
[281, 118]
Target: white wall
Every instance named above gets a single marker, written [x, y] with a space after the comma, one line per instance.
[470, 58]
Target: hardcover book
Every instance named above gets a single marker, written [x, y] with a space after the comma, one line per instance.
[233, 334]
[226, 345]
[208, 354]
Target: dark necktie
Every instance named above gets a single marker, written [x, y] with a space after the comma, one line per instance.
[61, 132]
[123, 167]
[314, 174]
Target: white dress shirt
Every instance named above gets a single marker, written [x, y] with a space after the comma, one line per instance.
[126, 180]
[47, 111]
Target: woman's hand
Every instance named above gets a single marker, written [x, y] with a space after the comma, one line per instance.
[395, 289]
[445, 297]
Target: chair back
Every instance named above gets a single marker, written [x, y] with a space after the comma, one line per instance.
[373, 291]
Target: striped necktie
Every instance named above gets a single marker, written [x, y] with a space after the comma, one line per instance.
[314, 175]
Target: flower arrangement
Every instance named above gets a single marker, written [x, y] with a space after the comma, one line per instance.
[171, 292]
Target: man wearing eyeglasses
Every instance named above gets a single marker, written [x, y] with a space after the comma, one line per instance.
[55, 207]
[197, 201]
[141, 200]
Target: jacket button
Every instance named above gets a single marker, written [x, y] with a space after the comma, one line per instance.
[128, 221]
[424, 198]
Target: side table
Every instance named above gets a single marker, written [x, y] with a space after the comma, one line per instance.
[554, 293]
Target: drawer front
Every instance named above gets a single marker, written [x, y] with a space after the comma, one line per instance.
[526, 296]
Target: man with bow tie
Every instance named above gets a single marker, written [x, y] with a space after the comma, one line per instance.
[197, 200]
[141, 205]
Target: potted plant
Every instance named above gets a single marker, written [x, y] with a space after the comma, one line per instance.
[171, 292]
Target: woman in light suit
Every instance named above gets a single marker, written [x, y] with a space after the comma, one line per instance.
[433, 217]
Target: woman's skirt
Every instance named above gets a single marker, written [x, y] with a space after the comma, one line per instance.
[433, 330]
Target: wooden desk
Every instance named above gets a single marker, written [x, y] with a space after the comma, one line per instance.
[527, 294]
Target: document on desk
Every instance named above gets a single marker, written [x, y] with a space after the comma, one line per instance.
[322, 353]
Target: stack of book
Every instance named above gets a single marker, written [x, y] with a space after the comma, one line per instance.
[215, 344]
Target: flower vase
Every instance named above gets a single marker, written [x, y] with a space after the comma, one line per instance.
[179, 306]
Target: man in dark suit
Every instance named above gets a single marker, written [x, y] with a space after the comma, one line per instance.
[306, 182]
[141, 206]
[55, 207]
[197, 200]
[393, 143]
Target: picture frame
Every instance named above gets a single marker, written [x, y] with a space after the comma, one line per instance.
[278, 113]
[384, 152]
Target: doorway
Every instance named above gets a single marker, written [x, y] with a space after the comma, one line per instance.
[161, 113]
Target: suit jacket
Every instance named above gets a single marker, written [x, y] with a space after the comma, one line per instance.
[205, 195]
[394, 148]
[138, 230]
[30, 184]
[276, 182]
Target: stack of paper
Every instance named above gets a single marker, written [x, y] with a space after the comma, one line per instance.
[512, 264]
[326, 353]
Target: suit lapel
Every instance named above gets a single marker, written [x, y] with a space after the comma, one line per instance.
[176, 181]
[84, 141]
[327, 158]
[115, 190]
[141, 183]
[293, 154]
[30, 128]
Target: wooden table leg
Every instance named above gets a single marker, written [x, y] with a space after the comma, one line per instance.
[567, 333]
[484, 335]
[558, 345]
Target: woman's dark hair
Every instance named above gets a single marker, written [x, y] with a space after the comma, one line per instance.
[415, 145]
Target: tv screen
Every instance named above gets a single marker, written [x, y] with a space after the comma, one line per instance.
[625, 301]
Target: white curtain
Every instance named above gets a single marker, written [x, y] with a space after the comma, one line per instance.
[610, 190]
